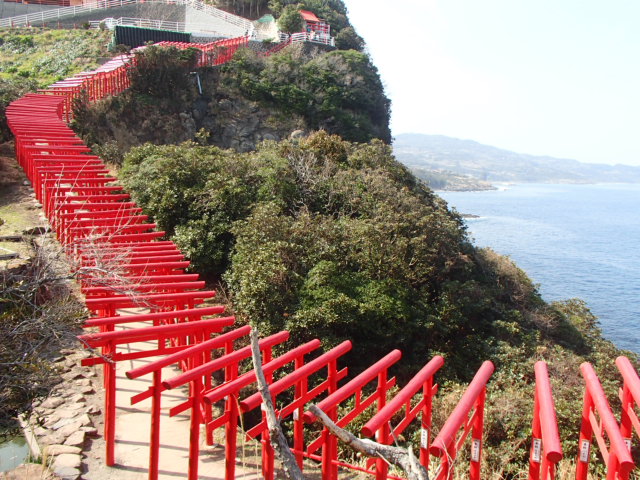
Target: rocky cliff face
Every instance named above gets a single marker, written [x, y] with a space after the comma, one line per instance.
[240, 124]
[248, 100]
[229, 121]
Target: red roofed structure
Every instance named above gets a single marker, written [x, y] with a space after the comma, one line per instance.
[314, 25]
[309, 16]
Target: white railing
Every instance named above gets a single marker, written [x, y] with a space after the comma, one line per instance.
[138, 22]
[48, 15]
[308, 37]
[52, 15]
[110, 23]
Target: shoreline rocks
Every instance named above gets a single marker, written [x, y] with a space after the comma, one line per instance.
[64, 421]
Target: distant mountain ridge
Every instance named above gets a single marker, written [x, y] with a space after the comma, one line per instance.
[483, 162]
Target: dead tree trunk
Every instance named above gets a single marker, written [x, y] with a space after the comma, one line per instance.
[279, 442]
[405, 459]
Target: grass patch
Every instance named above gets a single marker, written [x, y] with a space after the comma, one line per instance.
[50, 55]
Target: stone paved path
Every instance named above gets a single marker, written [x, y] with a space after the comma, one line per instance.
[133, 429]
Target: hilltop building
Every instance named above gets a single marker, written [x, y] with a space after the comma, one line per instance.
[315, 27]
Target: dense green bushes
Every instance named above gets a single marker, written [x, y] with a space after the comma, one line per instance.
[161, 72]
[338, 240]
[11, 89]
[335, 240]
[339, 91]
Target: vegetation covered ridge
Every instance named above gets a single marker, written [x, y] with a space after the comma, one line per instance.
[32, 58]
[337, 240]
[249, 99]
[327, 235]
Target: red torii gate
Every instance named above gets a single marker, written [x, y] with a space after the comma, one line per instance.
[178, 335]
[197, 374]
[80, 200]
[298, 379]
[468, 416]
[616, 457]
[379, 425]
[546, 450]
[230, 391]
[354, 388]
[191, 357]
[630, 398]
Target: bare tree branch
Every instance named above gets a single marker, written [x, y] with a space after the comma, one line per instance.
[279, 442]
[402, 458]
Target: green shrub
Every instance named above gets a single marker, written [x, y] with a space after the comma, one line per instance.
[339, 91]
[290, 20]
[10, 90]
[337, 241]
[162, 72]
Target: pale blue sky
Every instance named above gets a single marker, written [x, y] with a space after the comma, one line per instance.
[547, 77]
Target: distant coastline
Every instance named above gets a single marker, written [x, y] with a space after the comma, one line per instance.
[451, 164]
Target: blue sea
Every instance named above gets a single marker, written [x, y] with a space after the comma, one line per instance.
[572, 240]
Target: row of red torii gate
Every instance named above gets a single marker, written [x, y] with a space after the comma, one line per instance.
[122, 263]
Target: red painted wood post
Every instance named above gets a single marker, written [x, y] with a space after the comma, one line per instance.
[545, 450]
[268, 453]
[425, 422]
[298, 421]
[382, 468]
[231, 432]
[446, 444]
[332, 374]
[110, 405]
[617, 458]
[327, 453]
[535, 453]
[476, 436]
[625, 419]
[154, 441]
[330, 449]
[194, 433]
[584, 443]
[630, 397]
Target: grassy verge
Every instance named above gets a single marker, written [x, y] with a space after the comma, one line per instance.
[49, 55]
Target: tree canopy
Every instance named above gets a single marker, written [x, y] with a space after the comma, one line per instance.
[339, 91]
[290, 20]
[336, 240]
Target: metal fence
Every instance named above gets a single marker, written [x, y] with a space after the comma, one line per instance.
[52, 15]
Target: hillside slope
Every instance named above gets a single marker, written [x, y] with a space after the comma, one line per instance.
[338, 241]
[466, 157]
[33, 58]
[335, 239]
[249, 99]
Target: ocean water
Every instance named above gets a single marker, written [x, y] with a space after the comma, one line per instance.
[573, 240]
